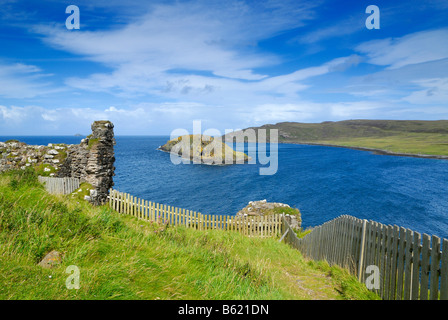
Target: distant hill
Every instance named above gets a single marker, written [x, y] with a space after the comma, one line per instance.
[413, 137]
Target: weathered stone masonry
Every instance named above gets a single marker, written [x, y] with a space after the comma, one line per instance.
[92, 161]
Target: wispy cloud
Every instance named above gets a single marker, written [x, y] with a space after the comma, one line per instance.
[29, 119]
[216, 37]
[433, 91]
[414, 48]
[336, 29]
[24, 81]
[214, 47]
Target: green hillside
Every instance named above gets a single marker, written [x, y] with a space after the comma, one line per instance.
[120, 257]
[395, 136]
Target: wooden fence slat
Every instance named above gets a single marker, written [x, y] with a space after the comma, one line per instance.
[444, 271]
[361, 252]
[425, 267]
[408, 265]
[400, 263]
[416, 253]
[393, 270]
[378, 232]
[387, 266]
[435, 263]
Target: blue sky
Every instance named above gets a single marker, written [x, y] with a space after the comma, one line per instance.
[154, 66]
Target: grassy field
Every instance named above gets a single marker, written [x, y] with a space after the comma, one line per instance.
[410, 143]
[398, 136]
[120, 257]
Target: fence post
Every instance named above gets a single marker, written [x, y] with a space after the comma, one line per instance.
[361, 250]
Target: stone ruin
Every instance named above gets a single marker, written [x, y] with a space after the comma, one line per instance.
[262, 208]
[91, 161]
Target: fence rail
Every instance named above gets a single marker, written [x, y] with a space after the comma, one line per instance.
[410, 265]
[59, 185]
[254, 226]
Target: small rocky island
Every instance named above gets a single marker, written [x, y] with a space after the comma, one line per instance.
[204, 149]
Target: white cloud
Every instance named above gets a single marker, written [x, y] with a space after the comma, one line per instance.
[32, 120]
[201, 50]
[195, 35]
[435, 91]
[269, 113]
[357, 109]
[341, 28]
[24, 81]
[414, 48]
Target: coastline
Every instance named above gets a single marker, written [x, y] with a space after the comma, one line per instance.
[375, 151]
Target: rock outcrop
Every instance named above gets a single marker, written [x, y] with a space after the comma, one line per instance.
[262, 208]
[204, 149]
[52, 259]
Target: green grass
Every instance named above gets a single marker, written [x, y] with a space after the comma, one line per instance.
[81, 192]
[120, 257]
[40, 169]
[412, 143]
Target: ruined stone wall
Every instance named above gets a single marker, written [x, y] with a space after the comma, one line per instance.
[92, 161]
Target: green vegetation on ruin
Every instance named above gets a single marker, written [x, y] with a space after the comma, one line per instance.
[92, 142]
[40, 169]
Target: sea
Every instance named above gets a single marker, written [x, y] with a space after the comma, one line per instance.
[322, 182]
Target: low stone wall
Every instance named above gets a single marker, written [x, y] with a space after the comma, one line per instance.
[19, 155]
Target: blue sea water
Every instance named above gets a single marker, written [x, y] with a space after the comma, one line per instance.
[323, 182]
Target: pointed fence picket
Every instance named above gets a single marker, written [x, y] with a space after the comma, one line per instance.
[252, 226]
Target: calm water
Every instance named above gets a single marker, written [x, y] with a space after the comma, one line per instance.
[322, 182]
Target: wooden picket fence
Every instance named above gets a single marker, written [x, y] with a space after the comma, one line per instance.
[252, 226]
[59, 185]
[411, 266]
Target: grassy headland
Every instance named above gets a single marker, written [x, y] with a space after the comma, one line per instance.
[407, 137]
[120, 257]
